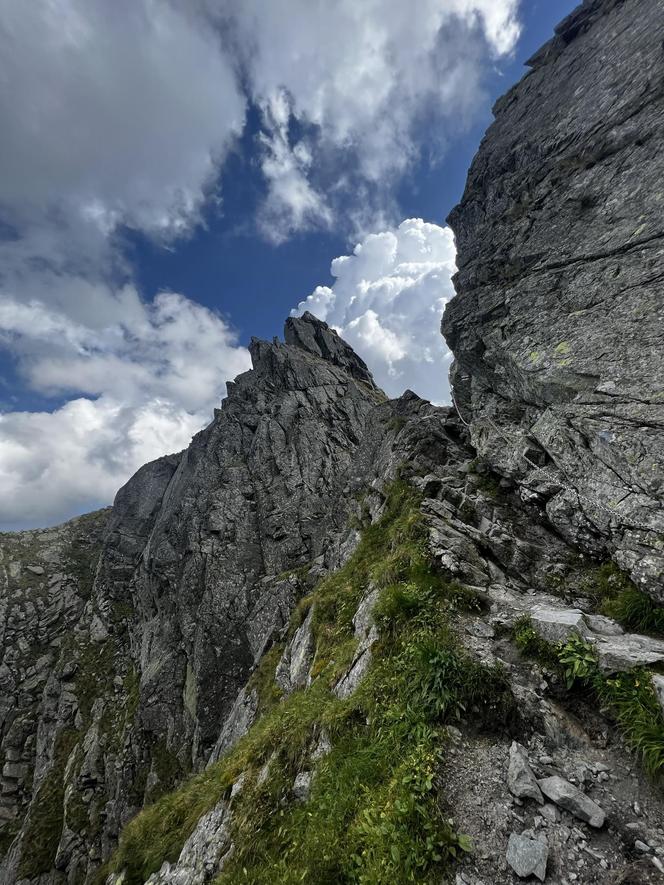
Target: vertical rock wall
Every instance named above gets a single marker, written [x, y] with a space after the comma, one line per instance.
[558, 323]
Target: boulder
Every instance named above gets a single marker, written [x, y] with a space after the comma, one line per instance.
[521, 781]
[527, 857]
[556, 625]
[573, 800]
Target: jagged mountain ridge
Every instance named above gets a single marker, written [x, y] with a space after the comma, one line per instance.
[193, 581]
[129, 638]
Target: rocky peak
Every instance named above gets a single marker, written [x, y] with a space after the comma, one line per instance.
[316, 337]
[317, 534]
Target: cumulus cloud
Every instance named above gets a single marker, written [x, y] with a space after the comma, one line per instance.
[121, 116]
[387, 301]
[353, 80]
[151, 377]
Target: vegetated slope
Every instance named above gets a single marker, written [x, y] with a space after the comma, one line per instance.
[346, 639]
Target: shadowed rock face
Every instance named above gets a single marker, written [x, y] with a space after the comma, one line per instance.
[129, 634]
[558, 323]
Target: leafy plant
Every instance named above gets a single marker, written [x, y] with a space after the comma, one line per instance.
[630, 698]
[578, 659]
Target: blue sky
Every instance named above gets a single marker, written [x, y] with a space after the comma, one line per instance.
[227, 266]
[180, 176]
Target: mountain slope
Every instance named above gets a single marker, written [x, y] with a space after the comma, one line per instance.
[342, 638]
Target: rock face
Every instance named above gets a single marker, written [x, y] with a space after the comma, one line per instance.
[558, 324]
[125, 668]
[120, 686]
[130, 636]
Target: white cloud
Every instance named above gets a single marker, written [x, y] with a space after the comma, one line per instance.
[112, 113]
[121, 114]
[152, 376]
[358, 77]
[387, 302]
[292, 204]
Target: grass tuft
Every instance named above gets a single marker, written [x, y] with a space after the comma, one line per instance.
[621, 600]
[629, 698]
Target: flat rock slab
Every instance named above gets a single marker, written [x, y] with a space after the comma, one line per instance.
[556, 625]
[521, 781]
[568, 797]
[619, 653]
[527, 857]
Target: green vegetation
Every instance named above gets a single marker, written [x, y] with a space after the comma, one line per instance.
[578, 659]
[95, 672]
[46, 818]
[531, 644]
[397, 423]
[620, 599]
[629, 698]
[376, 810]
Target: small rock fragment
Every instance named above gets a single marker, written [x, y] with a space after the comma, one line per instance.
[568, 797]
[521, 781]
[527, 857]
[302, 786]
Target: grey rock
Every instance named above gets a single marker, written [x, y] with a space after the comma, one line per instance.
[556, 625]
[302, 786]
[603, 625]
[573, 800]
[618, 653]
[521, 781]
[557, 328]
[293, 668]
[527, 857]
[237, 723]
[658, 682]
[366, 634]
[204, 853]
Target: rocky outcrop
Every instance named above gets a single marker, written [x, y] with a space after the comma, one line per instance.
[138, 676]
[558, 323]
[136, 641]
[134, 680]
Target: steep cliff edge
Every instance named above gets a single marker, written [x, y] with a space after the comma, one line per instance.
[558, 324]
[345, 639]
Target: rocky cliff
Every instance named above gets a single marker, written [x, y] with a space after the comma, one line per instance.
[558, 324]
[343, 638]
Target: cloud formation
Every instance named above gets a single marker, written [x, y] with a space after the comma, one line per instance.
[387, 302]
[353, 81]
[121, 116]
[151, 376]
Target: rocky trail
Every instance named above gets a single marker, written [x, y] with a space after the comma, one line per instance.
[346, 639]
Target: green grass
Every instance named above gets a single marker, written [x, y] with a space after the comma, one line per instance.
[631, 699]
[628, 698]
[618, 598]
[376, 812]
[531, 644]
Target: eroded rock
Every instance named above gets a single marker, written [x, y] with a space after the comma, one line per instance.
[567, 796]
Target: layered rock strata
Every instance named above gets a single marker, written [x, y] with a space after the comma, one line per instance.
[558, 324]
